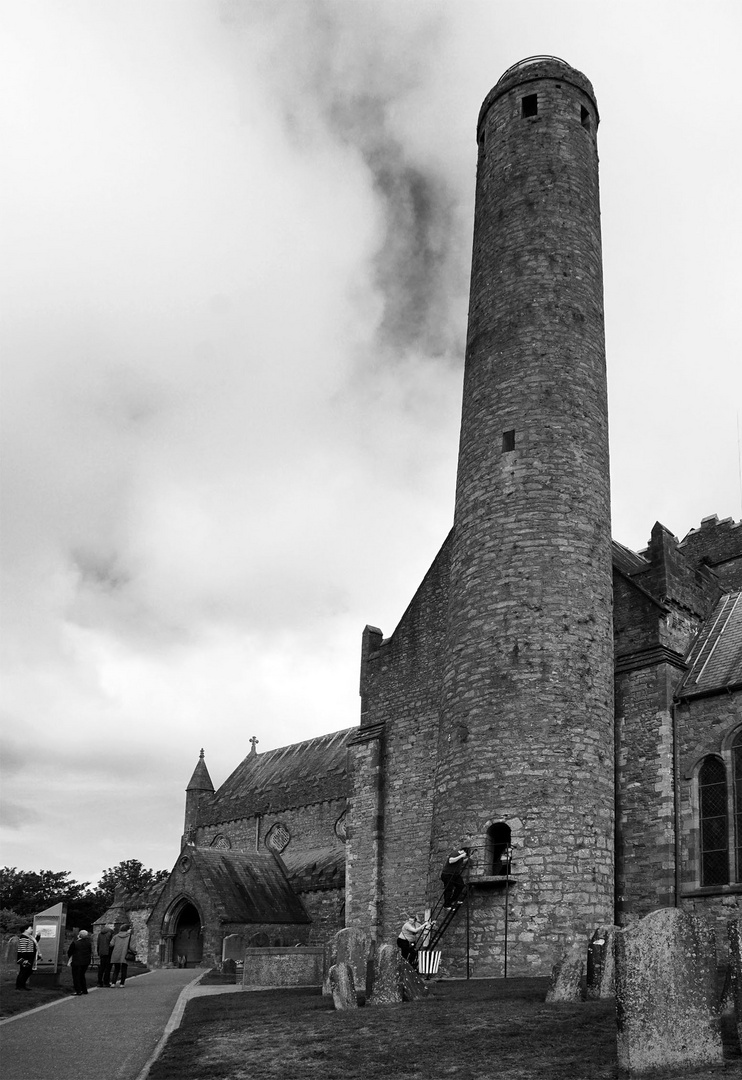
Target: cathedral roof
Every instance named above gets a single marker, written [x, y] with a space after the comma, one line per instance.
[317, 868]
[626, 560]
[246, 888]
[715, 658]
[297, 775]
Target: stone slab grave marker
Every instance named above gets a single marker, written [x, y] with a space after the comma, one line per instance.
[385, 989]
[394, 980]
[342, 986]
[566, 976]
[601, 965]
[666, 1007]
[349, 946]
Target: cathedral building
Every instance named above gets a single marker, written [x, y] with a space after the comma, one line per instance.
[572, 707]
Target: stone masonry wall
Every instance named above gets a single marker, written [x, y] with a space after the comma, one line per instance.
[326, 909]
[363, 891]
[645, 825]
[310, 827]
[400, 693]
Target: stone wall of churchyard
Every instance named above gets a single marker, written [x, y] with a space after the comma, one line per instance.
[706, 726]
[393, 763]
[645, 826]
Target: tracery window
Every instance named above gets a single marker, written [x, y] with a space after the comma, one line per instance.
[719, 794]
[712, 801]
[737, 781]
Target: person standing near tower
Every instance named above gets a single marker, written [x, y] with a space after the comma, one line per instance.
[452, 874]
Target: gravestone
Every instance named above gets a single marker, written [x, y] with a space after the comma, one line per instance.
[342, 986]
[11, 950]
[601, 965]
[734, 930]
[386, 988]
[349, 946]
[666, 1007]
[411, 982]
[233, 947]
[566, 976]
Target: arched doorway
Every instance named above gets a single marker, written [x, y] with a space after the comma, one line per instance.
[187, 937]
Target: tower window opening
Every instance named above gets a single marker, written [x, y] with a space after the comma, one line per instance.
[530, 105]
[508, 441]
[585, 117]
[497, 850]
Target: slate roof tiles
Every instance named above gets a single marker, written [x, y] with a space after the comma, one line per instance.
[715, 658]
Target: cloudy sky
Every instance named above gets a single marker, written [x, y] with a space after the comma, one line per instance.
[236, 241]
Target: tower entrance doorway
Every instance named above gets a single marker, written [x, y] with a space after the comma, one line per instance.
[188, 939]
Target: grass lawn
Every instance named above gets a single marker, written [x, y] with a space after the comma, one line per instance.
[13, 1001]
[480, 1030]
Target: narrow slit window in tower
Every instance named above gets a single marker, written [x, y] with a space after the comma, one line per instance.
[585, 117]
[530, 105]
[508, 441]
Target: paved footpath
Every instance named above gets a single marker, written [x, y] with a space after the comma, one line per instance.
[114, 1034]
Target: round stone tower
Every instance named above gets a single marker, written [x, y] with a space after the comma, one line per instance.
[526, 724]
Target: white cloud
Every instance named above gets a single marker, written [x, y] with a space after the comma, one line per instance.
[235, 288]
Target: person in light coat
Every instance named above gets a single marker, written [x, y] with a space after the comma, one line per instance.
[120, 945]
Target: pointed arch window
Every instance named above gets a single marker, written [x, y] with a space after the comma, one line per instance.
[737, 783]
[714, 822]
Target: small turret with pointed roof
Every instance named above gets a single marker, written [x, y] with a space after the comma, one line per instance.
[199, 788]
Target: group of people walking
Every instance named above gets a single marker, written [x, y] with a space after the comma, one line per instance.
[114, 956]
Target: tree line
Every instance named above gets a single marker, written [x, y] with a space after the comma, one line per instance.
[24, 893]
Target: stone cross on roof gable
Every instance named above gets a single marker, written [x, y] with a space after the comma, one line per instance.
[254, 743]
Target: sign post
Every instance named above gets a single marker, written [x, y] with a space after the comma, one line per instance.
[48, 926]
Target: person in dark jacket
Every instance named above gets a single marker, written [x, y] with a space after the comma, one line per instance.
[103, 947]
[80, 953]
[452, 874]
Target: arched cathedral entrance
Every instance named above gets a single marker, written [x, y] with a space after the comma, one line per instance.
[183, 934]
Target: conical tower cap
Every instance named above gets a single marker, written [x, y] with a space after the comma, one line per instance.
[200, 781]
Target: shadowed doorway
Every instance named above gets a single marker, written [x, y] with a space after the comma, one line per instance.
[188, 940]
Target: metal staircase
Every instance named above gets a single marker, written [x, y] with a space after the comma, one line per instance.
[441, 918]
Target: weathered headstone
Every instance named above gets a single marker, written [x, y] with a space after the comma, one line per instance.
[666, 1006]
[601, 965]
[342, 987]
[734, 930]
[11, 950]
[566, 976]
[349, 946]
[386, 986]
[411, 982]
